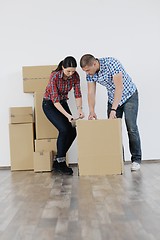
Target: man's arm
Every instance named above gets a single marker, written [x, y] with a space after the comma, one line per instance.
[118, 82]
[91, 100]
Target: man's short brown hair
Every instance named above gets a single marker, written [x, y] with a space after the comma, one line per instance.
[87, 60]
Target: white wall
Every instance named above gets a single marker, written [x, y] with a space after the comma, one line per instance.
[37, 32]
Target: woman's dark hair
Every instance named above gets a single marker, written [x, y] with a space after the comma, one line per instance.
[67, 62]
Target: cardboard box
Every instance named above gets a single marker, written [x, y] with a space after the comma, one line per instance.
[43, 161]
[100, 147]
[21, 146]
[44, 128]
[35, 78]
[46, 145]
[21, 115]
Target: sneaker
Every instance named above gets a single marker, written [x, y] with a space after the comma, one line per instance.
[62, 168]
[135, 166]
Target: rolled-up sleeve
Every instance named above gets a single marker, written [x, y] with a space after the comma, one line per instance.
[77, 89]
[114, 66]
[52, 89]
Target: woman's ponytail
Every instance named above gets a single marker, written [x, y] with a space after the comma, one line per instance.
[67, 62]
[59, 67]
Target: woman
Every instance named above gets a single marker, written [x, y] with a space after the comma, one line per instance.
[56, 108]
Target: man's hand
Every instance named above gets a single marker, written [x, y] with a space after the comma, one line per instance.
[112, 115]
[92, 116]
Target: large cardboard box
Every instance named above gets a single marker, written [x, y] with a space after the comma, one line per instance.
[42, 145]
[21, 146]
[46, 145]
[21, 115]
[43, 161]
[44, 128]
[100, 147]
[35, 78]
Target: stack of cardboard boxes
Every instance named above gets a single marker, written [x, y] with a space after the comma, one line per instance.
[29, 150]
[33, 140]
[21, 138]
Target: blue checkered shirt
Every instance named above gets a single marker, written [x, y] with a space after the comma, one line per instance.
[108, 68]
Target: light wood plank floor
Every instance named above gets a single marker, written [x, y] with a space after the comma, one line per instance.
[44, 206]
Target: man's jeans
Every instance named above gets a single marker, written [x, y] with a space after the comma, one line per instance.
[67, 133]
[130, 109]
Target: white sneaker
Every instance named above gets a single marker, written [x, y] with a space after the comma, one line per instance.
[135, 166]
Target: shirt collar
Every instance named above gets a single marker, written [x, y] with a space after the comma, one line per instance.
[100, 65]
[61, 75]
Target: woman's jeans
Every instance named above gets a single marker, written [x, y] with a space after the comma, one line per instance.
[67, 133]
[130, 109]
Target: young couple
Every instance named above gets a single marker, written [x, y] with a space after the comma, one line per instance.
[122, 98]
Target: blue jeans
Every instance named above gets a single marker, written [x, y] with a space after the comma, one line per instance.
[67, 133]
[130, 109]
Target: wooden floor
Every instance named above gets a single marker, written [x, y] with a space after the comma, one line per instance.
[44, 206]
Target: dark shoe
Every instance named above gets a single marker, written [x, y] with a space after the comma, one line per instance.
[62, 168]
[55, 164]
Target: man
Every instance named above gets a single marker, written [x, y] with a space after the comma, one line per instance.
[122, 97]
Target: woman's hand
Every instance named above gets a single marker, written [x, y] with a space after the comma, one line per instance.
[80, 113]
[70, 117]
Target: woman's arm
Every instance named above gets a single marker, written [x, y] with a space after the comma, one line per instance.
[79, 107]
[63, 111]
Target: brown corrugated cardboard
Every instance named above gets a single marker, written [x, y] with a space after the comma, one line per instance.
[21, 115]
[45, 145]
[21, 146]
[100, 147]
[43, 161]
[35, 78]
[44, 128]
